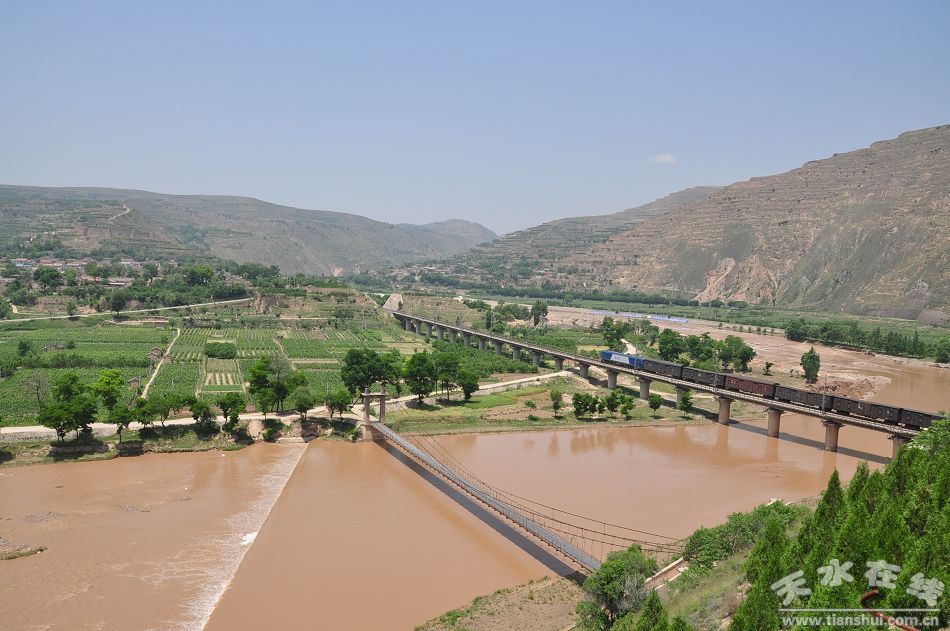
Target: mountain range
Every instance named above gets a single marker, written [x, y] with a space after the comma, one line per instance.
[866, 231]
[242, 229]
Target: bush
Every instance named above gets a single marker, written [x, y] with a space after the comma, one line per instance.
[220, 350]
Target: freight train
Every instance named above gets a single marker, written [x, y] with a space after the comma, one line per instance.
[870, 410]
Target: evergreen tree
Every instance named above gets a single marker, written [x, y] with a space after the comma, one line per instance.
[679, 624]
[824, 526]
[759, 611]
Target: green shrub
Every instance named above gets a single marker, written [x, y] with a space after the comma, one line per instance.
[220, 350]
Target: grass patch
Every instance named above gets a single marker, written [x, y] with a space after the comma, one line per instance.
[21, 552]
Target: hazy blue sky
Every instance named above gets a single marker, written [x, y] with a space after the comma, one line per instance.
[507, 113]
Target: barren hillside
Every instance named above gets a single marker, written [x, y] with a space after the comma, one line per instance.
[865, 231]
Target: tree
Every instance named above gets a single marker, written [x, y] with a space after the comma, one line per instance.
[108, 386]
[121, 416]
[49, 278]
[733, 350]
[942, 350]
[585, 404]
[759, 611]
[71, 308]
[618, 586]
[143, 411]
[23, 347]
[686, 401]
[37, 384]
[468, 382]
[811, 363]
[363, 367]
[199, 275]
[447, 369]
[655, 401]
[679, 624]
[420, 375]
[339, 402]
[539, 310]
[117, 301]
[57, 417]
[231, 405]
[204, 416]
[670, 344]
[612, 401]
[626, 404]
[557, 400]
[302, 400]
[768, 369]
[652, 617]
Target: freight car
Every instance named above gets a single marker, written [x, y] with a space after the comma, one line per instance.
[668, 369]
[802, 397]
[750, 386]
[707, 377]
[917, 419]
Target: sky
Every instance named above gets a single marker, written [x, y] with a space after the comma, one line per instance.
[505, 113]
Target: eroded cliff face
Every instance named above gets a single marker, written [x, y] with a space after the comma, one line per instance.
[866, 231]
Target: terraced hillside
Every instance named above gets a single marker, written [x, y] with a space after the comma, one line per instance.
[532, 253]
[866, 231]
[237, 228]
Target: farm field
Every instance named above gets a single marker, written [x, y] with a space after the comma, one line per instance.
[34, 355]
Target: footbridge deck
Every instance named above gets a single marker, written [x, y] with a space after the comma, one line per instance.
[572, 536]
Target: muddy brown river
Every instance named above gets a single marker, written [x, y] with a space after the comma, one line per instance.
[359, 539]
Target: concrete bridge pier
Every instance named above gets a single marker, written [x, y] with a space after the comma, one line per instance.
[644, 388]
[367, 431]
[831, 434]
[408, 324]
[498, 346]
[467, 339]
[559, 363]
[516, 353]
[611, 379]
[440, 333]
[897, 441]
[428, 327]
[680, 393]
[417, 327]
[584, 369]
[453, 335]
[481, 343]
[775, 419]
[725, 410]
[536, 359]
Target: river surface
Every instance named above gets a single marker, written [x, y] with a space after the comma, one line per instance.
[133, 543]
[360, 539]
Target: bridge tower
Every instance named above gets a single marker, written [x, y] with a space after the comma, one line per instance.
[369, 433]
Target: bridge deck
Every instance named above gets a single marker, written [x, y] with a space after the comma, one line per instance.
[718, 392]
[563, 546]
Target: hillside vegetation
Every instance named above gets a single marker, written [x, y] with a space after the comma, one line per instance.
[242, 229]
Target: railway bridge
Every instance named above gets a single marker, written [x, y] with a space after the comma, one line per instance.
[832, 421]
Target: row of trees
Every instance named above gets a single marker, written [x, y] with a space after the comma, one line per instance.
[852, 334]
[586, 405]
[890, 526]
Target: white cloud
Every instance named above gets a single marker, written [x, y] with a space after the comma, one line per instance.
[663, 158]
